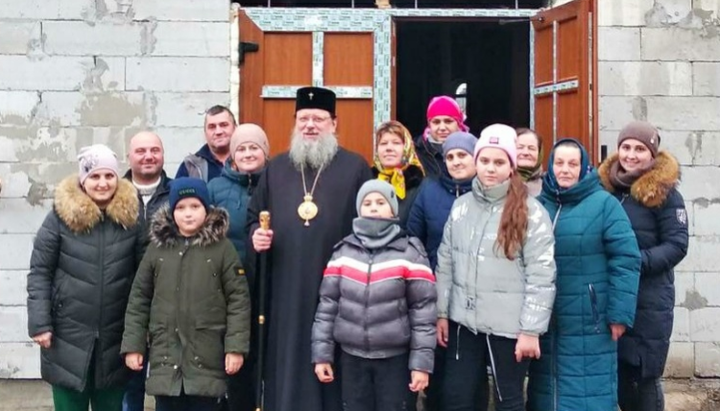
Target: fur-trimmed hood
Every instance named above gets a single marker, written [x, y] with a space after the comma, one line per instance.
[653, 187]
[164, 231]
[80, 213]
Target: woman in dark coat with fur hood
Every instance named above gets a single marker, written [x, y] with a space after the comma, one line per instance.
[81, 270]
[397, 163]
[644, 180]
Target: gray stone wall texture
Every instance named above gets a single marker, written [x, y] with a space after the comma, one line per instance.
[77, 72]
[660, 61]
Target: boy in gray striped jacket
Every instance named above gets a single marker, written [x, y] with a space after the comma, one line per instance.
[377, 302]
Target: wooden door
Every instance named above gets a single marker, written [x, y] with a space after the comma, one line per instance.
[565, 74]
[286, 60]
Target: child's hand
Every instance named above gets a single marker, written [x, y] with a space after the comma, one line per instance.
[418, 380]
[134, 361]
[527, 346]
[233, 362]
[443, 331]
[324, 372]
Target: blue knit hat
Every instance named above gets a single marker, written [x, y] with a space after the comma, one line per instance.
[459, 139]
[187, 187]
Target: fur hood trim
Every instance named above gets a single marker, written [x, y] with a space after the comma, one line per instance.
[80, 213]
[164, 231]
[653, 187]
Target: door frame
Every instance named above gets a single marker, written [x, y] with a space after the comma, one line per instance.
[380, 22]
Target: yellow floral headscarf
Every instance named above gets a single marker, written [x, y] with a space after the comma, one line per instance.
[395, 176]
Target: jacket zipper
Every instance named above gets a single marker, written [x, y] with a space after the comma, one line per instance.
[553, 341]
[457, 346]
[557, 215]
[593, 304]
[367, 298]
[98, 361]
[623, 198]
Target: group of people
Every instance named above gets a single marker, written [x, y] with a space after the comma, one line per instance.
[451, 258]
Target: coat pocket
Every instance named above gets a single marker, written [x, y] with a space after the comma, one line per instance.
[209, 343]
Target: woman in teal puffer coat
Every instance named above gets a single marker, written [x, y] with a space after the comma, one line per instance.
[232, 190]
[598, 267]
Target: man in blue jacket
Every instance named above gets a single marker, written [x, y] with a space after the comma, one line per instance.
[207, 163]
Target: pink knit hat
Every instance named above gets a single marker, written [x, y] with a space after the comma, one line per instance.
[446, 106]
[498, 136]
[96, 157]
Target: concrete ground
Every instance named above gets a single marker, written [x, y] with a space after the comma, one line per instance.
[680, 395]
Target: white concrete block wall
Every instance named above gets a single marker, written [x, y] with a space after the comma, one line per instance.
[78, 72]
[660, 62]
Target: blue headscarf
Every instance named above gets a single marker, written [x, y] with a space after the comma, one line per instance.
[585, 166]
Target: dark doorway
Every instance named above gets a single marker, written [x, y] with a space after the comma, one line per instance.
[489, 59]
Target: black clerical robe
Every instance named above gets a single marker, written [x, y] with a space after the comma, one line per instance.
[297, 259]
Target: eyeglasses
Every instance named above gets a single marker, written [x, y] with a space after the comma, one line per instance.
[315, 119]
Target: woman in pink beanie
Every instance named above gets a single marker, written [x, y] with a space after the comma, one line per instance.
[444, 116]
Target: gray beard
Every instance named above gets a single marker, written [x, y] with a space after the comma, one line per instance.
[315, 154]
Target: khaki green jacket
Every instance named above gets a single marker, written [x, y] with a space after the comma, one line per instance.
[191, 297]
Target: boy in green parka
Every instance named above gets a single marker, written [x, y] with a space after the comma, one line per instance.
[190, 295]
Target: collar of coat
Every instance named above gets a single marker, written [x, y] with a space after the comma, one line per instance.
[653, 187]
[80, 213]
[164, 232]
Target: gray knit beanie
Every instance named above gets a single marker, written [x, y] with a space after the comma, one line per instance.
[459, 139]
[378, 186]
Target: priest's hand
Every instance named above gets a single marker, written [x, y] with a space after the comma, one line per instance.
[418, 380]
[233, 362]
[134, 361]
[262, 239]
[324, 372]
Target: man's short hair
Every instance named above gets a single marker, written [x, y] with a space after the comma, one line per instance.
[217, 109]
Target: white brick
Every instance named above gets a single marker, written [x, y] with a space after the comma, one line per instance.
[618, 43]
[623, 13]
[708, 5]
[22, 360]
[681, 325]
[684, 282]
[179, 142]
[185, 109]
[188, 10]
[707, 359]
[171, 168]
[13, 322]
[16, 36]
[19, 217]
[708, 285]
[616, 112]
[16, 107]
[668, 12]
[21, 73]
[707, 213]
[16, 251]
[191, 39]
[702, 255]
[681, 144]
[674, 43]
[106, 74]
[41, 9]
[12, 287]
[77, 38]
[684, 113]
[178, 74]
[645, 78]
[681, 360]
[706, 79]
[700, 182]
[105, 109]
[705, 325]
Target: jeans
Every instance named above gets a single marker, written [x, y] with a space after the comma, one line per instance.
[468, 356]
[134, 399]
